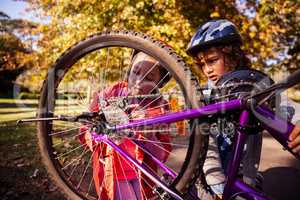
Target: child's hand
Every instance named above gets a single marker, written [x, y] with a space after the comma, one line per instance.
[295, 139]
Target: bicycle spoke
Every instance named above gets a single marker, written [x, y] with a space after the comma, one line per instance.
[84, 151]
[66, 125]
[63, 132]
[154, 89]
[144, 107]
[140, 176]
[141, 110]
[122, 74]
[104, 177]
[80, 133]
[160, 147]
[89, 188]
[142, 79]
[104, 73]
[118, 185]
[85, 170]
[73, 170]
[123, 172]
[59, 156]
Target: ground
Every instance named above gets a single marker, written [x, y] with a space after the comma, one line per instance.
[22, 175]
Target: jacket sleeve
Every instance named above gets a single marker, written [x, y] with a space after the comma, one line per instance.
[212, 167]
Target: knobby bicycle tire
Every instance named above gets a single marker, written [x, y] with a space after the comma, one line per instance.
[198, 142]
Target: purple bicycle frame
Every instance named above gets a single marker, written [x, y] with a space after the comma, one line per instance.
[277, 127]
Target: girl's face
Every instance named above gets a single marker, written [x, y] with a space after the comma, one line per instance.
[212, 63]
[143, 77]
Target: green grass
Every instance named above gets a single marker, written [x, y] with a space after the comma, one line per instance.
[17, 101]
[12, 110]
[18, 142]
[16, 116]
[19, 154]
[19, 160]
[15, 109]
[18, 145]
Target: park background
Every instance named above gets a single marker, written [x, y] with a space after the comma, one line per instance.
[34, 33]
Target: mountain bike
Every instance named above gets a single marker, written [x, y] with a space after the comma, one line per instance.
[97, 62]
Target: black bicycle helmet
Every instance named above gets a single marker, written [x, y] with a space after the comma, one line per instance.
[214, 32]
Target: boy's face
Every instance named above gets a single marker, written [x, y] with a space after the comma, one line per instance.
[143, 77]
[212, 63]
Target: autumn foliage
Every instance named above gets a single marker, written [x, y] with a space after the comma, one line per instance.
[270, 29]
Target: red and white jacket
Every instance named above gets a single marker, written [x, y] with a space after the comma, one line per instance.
[109, 167]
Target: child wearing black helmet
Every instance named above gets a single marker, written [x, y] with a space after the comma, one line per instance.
[216, 48]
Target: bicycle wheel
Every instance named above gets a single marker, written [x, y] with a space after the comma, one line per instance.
[91, 67]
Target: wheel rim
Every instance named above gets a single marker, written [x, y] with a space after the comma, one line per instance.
[71, 157]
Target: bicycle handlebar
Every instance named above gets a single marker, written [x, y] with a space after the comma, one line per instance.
[290, 81]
